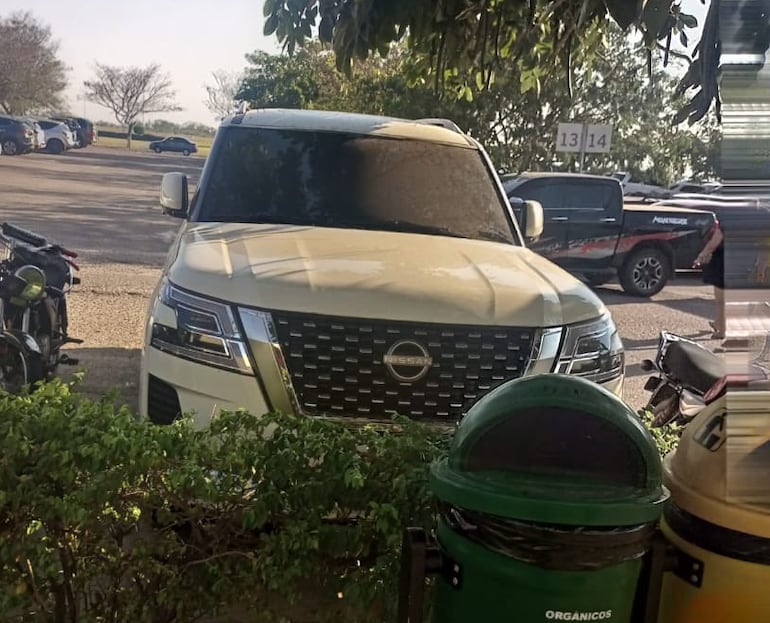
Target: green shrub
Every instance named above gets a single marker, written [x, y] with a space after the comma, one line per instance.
[106, 518]
[666, 438]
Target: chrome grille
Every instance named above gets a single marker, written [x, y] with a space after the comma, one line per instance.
[336, 365]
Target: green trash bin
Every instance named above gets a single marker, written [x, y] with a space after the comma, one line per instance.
[550, 499]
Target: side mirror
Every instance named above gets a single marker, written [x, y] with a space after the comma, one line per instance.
[174, 195]
[534, 220]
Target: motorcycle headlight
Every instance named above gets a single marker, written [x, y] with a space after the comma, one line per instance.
[592, 350]
[33, 280]
[206, 331]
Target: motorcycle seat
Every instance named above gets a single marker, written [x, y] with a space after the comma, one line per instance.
[694, 366]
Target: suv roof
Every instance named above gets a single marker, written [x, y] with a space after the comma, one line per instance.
[536, 174]
[355, 123]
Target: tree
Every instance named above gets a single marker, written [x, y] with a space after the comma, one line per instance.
[647, 139]
[130, 92]
[472, 40]
[32, 77]
[518, 129]
[221, 96]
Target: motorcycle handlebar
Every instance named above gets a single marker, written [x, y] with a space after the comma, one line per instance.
[31, 238]
[24, 235]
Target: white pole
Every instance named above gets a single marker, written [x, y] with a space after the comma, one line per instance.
[583, 138]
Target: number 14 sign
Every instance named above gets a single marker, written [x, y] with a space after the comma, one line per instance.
[584, 138]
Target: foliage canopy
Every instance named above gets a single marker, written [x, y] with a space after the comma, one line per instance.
[32, 77]
[466, 42]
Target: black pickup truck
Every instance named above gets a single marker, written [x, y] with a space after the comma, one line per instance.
[590, 231]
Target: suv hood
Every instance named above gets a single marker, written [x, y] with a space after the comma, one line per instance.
[384, 275]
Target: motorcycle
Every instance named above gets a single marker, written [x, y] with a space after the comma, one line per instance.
[690, 377]
[35, 278]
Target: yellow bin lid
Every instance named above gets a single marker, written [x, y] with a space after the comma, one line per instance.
[697, 477]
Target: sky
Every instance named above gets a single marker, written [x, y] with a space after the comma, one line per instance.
[189, 39]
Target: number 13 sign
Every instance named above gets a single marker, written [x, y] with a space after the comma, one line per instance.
[571, 137]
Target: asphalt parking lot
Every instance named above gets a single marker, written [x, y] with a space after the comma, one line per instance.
[102, 203]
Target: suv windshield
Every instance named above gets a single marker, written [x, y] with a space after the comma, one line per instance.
[341, 180]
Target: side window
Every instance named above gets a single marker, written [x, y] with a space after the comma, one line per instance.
[585, 196]
[548, 194]
[593, 197]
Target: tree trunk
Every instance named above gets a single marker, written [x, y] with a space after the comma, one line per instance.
[128, 135]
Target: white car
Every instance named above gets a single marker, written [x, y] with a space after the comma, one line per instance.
[634, 187]
[59, 138]
[353, 266]
[690, 187]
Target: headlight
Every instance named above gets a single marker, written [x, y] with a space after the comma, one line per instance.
[592, 350]
[206, 331]
[31, 282]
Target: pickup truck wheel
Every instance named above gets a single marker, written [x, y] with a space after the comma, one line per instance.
[645, 272]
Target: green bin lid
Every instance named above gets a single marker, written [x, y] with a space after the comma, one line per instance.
[553, 449]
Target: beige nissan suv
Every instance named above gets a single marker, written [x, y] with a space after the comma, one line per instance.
[355, 266]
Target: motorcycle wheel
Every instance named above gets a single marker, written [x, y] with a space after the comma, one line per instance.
[13, 370]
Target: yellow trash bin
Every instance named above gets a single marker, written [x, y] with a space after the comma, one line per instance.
[720, 564]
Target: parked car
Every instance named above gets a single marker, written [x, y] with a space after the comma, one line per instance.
[39, 136]
[352, 266]
[744, 221]
[83, 129]
[87, 134]
[74, 127]
[591, 231]
[59, 136]
[688, 186]
[16, 136]
[633, 186]
[177, 144]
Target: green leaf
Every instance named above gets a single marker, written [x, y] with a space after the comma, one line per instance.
[271, 25]
[528, 80]
[270, 7]
[624, 12]
[326, 29]
[688, 20]
[655, 15]
[353, 478]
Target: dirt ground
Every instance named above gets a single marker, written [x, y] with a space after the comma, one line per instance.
[103, 204]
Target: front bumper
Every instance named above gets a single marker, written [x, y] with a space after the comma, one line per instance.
[199, 390]
[255, 356]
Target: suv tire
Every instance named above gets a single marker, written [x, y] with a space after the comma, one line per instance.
[55, 146]
[645, 272]
[11, 147]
